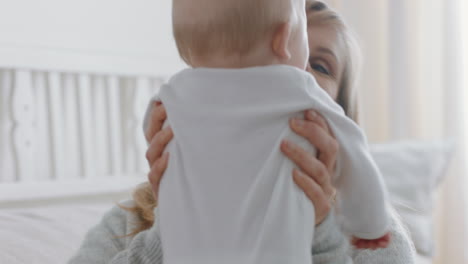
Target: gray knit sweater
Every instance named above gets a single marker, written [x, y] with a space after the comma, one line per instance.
[103, 245]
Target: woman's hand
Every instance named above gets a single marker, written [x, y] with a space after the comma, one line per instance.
[158, 139]
[315, 173]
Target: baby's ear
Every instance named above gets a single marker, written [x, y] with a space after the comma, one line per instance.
[280, 42]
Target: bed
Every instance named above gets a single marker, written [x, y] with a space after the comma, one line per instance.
[51, 234]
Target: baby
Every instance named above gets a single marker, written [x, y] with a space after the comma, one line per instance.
[233, 201]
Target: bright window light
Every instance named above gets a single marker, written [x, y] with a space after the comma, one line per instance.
[464, 32]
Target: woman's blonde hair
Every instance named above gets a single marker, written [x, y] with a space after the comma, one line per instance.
[317, 14]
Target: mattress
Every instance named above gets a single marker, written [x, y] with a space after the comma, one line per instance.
[48, 234]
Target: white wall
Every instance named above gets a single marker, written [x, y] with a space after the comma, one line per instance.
[117, 36]
[369, 20]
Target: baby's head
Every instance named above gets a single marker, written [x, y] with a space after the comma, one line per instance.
[241, 33]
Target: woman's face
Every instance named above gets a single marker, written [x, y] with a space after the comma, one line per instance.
[326, 57]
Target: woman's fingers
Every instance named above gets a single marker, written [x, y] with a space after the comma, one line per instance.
[311, 166]
[317, 132]
[314, 116]
[157, 117]
[158, 138]
[158, 144]
[327, 152]
[371, 243]
[361, 243]
[304, 160]
[314, 176]
[157, 171]
[315, 194]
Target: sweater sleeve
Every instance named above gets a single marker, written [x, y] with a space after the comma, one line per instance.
[104, 243]
[330, 245]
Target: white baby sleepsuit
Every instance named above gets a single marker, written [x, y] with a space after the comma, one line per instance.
[228, 194]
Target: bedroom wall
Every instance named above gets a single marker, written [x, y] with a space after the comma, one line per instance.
[109, 36]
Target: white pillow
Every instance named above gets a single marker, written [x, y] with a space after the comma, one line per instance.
[412, 170]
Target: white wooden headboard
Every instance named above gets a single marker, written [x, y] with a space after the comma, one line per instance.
[79, 130]
[75, 78]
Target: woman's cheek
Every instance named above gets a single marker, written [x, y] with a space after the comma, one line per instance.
[324, 84]
[328, 85]
[331, 87]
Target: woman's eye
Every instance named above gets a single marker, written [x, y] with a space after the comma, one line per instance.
[319, 68]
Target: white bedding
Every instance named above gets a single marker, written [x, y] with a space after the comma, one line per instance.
[49, 234]
[52, 234]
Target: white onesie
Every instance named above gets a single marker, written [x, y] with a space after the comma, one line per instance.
[228, 194]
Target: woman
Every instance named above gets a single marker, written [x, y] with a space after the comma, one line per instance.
[125, 234]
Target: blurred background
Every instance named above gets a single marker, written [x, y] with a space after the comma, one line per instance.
[414, 86]
[76, 76]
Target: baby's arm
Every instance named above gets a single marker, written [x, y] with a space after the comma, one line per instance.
[362, 196]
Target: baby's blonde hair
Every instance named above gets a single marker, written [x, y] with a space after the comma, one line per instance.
[207, 28]
[317, 14]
